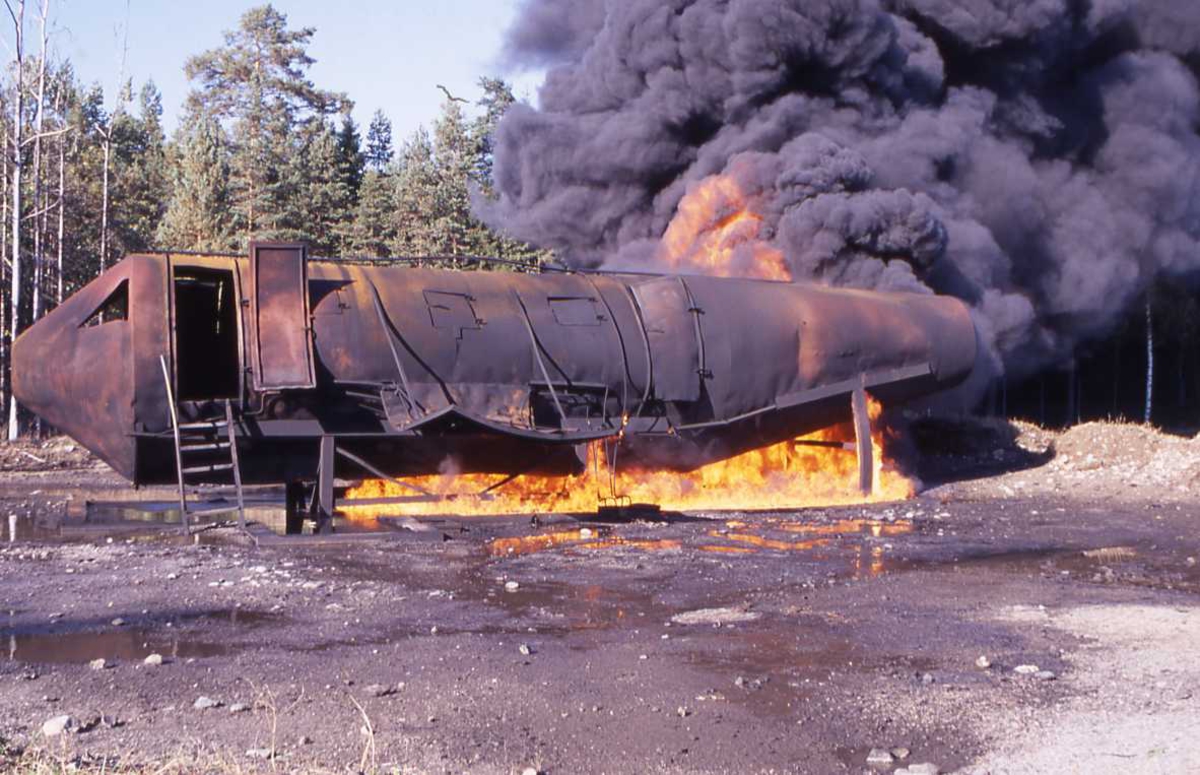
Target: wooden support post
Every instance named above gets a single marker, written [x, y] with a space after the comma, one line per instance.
[862, 438]
[325, 486]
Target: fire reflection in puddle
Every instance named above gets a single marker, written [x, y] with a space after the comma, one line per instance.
[773, 544]
[861, 542]
[589, 539]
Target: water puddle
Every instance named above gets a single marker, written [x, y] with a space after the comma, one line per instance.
[768, 671]
[66, 642]
[586, 539]
[571, 607]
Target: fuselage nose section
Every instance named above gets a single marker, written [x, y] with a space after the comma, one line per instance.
[74, 368]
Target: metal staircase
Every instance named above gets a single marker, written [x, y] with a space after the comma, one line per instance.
[204, 450]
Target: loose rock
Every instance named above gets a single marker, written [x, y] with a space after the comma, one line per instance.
[983, 663]
[153, 660]
[204, 703]
[925, 768]
[716, 616]
[511, 586]
[1026, 669]
[58, 725]
[98, 664]
[379, 690]
[239, 707]
[880, 757]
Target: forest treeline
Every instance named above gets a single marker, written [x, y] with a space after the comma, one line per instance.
[263, 152]
[260, 152]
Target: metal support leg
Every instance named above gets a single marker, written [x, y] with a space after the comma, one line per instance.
[325, 486]
[862, 438]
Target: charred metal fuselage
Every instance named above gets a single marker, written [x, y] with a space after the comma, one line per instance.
[412, 370]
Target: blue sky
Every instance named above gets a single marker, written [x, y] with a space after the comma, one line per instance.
[386, 55]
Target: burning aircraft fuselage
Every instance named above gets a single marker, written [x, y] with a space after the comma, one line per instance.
[408, 368]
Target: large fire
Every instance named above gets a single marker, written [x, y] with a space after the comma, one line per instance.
[716, 231]
[793, 474]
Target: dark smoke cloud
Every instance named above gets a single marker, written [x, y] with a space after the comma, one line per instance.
[1038, 158]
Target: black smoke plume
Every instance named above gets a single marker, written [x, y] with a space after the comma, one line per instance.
[1039, 159]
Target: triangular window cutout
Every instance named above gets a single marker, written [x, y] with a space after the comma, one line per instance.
[114, 308]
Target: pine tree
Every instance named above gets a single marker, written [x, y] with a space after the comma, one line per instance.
[257, 82]
[318, 198]
[454, 230]
[141, 185]
[351, 161]
[198, 217]
[373, 230]
[379, 142]
[497, 98]
[416, 196]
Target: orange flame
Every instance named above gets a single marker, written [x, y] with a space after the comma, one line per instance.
[716, 231]
[789, 475]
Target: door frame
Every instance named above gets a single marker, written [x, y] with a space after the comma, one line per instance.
[210, 263]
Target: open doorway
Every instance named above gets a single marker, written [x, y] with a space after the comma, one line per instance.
[206, 340]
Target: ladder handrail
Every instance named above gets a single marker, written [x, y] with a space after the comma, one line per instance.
[183, 512]
[231, 436]
[237, 468]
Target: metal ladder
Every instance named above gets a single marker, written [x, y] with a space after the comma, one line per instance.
[212, 447]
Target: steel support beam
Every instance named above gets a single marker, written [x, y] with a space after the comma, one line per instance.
[862, 438]
[325, 486]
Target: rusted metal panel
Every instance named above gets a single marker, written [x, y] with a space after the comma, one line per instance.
[421, 371]
[283, 335]
[75, 368]
[670, 324]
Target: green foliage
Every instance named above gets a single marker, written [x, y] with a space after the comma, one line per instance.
[351, 161]
[438, 177]
[318, 201]
[256, 84]
[141, 187]
[373, 229]
[261, 152]
[199, 216]
[379, 142]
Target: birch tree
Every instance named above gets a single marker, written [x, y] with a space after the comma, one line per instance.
[16, 12]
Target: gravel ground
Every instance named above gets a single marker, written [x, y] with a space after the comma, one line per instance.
[1031, 611]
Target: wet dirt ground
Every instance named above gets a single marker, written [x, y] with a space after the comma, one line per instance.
[766, 642]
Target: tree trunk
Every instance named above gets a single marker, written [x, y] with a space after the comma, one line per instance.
[39, 122]
[62, 203]
[4, 274]
[18, 17]
[104, 199]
